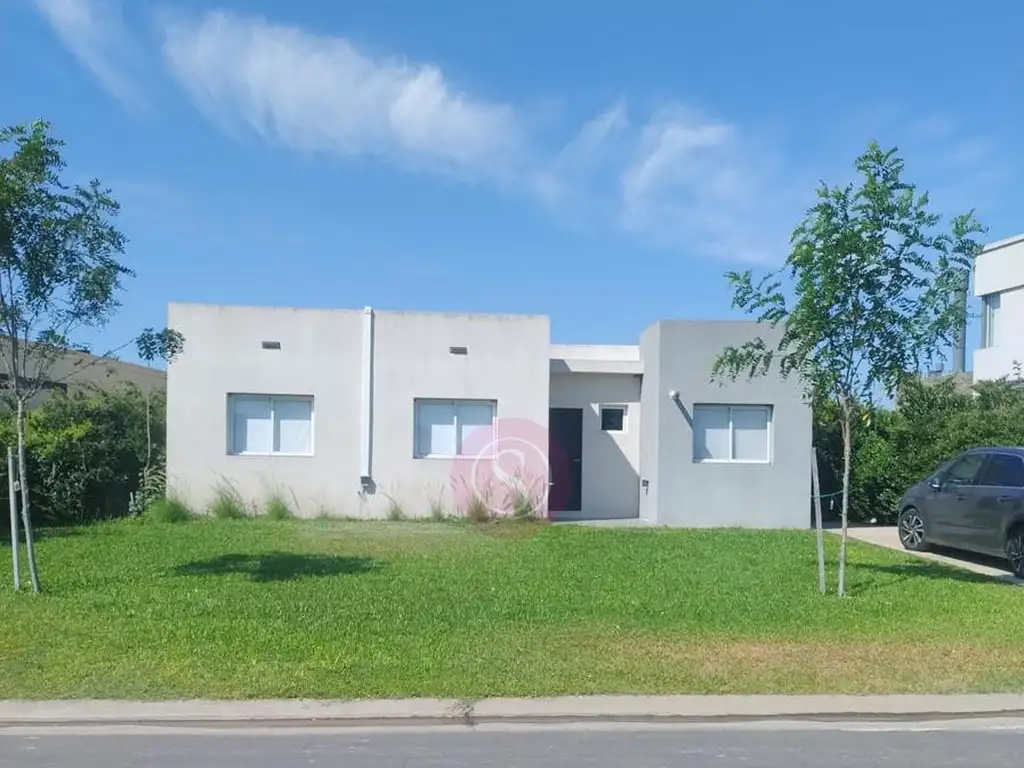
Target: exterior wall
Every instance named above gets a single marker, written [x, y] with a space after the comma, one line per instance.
[772, 495]
[611, 460]
[506, 360]
[322, 354]
[1000, 269]
[651, 401]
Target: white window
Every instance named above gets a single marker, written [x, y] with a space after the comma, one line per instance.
[990, 319]
[736, 433]
[264, 425]
[613, 418]
[446, 428]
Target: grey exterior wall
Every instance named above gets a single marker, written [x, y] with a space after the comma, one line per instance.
[321, 355]
[678, 355]
[611, 460]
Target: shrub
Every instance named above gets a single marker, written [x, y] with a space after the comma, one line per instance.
[276, 508]
[228, 505]
[396, 513]
[168, 510]
[478, 510]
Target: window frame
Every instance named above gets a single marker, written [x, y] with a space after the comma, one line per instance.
[769, 433]
[234, 397]
[991, 304]
[624, 407]
[454, 403]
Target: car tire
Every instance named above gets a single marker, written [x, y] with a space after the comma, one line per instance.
[910, 527]
[1015, 550]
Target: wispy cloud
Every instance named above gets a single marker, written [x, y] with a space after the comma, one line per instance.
[321, 94]
[94, 31]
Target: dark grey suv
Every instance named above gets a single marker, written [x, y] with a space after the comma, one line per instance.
[974, 502]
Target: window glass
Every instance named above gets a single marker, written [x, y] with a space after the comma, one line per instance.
[711, 441]
[251, 425]
[476, 428]
[613, 418]
[750, 434]
[965, 469]
[1004, 470]
[435, 429]
[293, 425]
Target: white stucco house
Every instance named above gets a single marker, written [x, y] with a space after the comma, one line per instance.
[999, 282]
[352, 412]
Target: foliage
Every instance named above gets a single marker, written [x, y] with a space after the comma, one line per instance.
[227, 504]
[292, 609]
[168, 510]
[277, 508]
[876, 290]
[86, 451]
[900, 446]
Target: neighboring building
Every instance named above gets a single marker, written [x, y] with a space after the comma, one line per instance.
[355, 412]
[999, 281]
[80, 371]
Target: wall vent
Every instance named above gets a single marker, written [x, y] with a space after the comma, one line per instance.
[458, 350]
[271, 345]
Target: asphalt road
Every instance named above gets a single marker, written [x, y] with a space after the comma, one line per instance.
[564, 747]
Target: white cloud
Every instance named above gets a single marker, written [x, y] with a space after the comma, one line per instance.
[320, 94]
[94, 31]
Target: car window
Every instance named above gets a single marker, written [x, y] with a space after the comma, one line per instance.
[965, 469]
[1004, 470]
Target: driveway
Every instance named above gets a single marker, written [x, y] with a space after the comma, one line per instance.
[887, 536]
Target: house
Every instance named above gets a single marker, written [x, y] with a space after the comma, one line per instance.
[999, 281]
[358, 412]
[76, 371]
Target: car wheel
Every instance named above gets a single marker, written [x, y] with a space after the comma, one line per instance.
[911, 530]
[1015, 551]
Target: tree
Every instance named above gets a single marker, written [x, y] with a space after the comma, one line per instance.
[153, 345]
[876, 292]
[59, 273]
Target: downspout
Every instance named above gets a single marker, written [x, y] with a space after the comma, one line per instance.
[366, 414]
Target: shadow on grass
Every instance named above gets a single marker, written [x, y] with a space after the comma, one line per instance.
[889, 576]
[279, 566]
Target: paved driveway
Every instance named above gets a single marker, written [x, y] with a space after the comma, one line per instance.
[887, 536]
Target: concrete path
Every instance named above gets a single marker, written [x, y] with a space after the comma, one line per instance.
[15, 714]
[560, 747]
[887, 536]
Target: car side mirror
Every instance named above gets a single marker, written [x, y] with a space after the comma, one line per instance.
[936, 485]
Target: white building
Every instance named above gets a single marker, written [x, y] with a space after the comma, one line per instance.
[999, 281]
[358, 412]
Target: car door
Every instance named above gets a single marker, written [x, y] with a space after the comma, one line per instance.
[946, 507]
[996, 501]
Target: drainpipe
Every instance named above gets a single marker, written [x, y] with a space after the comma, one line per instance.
[366, 413]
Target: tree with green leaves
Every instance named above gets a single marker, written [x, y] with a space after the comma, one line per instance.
[872, 290]
[60, 274]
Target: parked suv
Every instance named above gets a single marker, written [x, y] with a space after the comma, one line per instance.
[974, 502]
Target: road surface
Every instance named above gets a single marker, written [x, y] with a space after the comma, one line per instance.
[567, 746]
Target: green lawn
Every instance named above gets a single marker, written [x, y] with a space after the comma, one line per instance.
[241, 609]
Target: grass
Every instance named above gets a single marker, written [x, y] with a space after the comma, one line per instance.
[168, 510]
[276, 508]
[319, 608]
[228, 505]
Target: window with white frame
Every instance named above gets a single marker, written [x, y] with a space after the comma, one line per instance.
[732, 433]
[990, 319]
[269, 425]
[449, 428]
[613, 418]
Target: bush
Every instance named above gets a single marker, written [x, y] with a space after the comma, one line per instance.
[277, 508]
[86, 453]
[897, 447]
[228, 505]
[168, 510]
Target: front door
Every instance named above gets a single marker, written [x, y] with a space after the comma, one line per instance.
[565, 457]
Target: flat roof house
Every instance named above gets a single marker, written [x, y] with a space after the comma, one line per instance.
[356, 412]
[999, 281]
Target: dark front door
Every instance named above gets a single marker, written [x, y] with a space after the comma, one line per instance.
[565, 455]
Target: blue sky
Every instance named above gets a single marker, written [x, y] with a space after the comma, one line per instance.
[603, 163]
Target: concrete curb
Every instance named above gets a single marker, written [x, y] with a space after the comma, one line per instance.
[456, 711]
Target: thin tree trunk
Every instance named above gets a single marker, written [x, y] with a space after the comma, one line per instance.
[847, 450]
[13, 497]
[816, 490]
[23, 481]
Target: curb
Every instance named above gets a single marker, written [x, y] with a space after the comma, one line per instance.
[467, 712]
